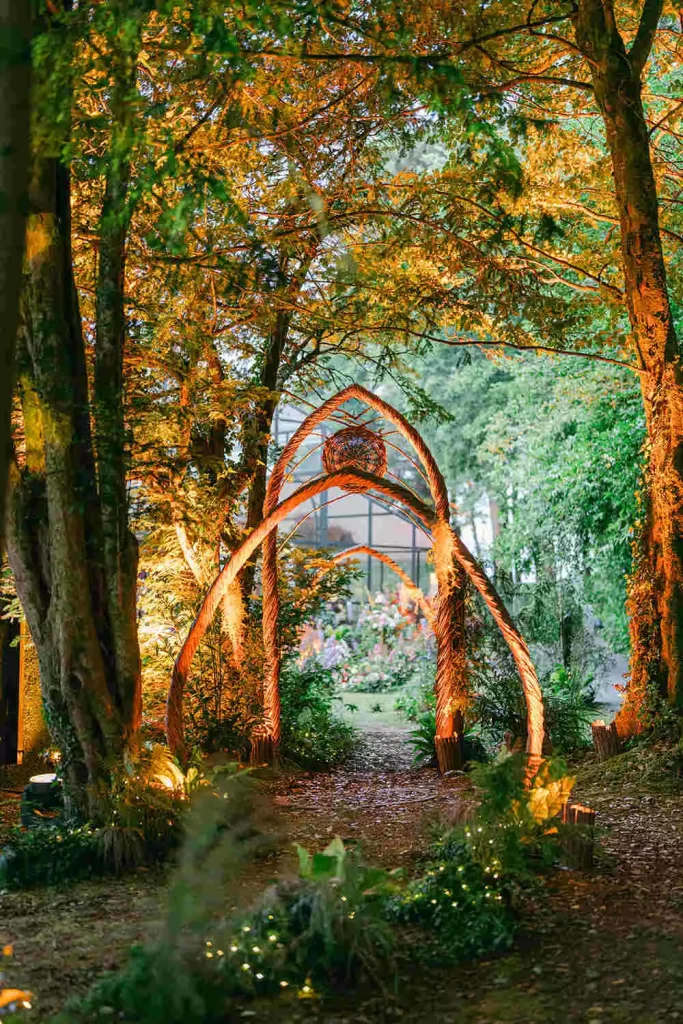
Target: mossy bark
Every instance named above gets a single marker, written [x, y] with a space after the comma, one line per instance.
[15, 60]
[617, 74]
[79, 602]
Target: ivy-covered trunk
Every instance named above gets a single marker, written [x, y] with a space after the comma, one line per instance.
[85, 637]
[15, 63]
[657, 593]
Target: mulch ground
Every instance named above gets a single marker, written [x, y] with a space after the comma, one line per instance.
[598, 949]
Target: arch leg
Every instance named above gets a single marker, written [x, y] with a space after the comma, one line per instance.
[451, 662]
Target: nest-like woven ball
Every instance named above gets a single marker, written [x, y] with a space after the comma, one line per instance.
[355, 448]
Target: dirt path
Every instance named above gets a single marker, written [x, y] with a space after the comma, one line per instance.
[599, 949]
[376, 799]
[604, 949]
[64, 938]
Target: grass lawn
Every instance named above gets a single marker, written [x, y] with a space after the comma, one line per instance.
[372, 710]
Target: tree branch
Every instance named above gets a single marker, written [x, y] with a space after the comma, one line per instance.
[645, 36]
[399, 58]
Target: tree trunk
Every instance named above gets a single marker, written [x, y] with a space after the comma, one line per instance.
[55, 523]
[73, 556]
[15, 63]
[616, 77]
[258, 437]
[120, 547]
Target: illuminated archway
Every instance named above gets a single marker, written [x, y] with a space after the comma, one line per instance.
[451, 556]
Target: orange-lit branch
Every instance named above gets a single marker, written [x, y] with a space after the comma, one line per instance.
[363, 549]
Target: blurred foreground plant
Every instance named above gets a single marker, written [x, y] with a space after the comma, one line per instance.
[13, 1001]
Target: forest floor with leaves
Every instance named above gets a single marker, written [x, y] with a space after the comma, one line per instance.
[600, 949]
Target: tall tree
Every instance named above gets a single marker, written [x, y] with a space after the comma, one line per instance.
[582, 98]
[245, 288]
[72, 553]
[15, 64]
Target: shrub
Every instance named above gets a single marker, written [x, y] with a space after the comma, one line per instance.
[50, 855]
[461, 906]
[422, 736]
[313, 736]
[326, 930]
[413, 702]
[223, 701]
[463, 902]
[499, 706]
[169, 981]
[336, 924]
[498, 710]
[141, 822]
[517, 817]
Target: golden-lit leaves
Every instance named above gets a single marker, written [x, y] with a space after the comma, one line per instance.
[547, 795]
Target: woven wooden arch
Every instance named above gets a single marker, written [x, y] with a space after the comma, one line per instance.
[449, 554]
[362, 549]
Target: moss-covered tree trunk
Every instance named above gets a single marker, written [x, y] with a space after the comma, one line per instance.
[15, 60]
[72, 552]
[617, 74]
[55, 523]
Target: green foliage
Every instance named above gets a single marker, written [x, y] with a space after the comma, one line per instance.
[499, 709]
[324, 931]
[334, 918]
[463, 901]
[422, 736]
[142, 809]
[461, 906]
[167, 981]
[412, 702]
[313, 736]
[50, 856]
[337, 923]
[223, 701]
[514, 822]
[557, 446]
[142, 816]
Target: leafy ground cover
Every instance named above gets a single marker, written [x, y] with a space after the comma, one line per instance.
[604, 948]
